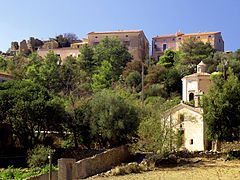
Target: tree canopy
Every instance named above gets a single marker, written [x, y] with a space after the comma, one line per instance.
[221, 108]
[112, 51]
[28, 108]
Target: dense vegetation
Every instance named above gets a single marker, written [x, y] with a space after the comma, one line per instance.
[95, 99]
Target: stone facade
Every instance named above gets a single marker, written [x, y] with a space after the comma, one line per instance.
[187, 117]
[135, 41]
[161, 43]
[44, 176]
[50, 44]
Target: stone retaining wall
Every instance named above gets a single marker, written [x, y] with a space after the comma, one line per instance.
[44, 176]
[69, 169]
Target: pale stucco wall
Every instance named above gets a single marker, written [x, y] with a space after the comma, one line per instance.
[193, 128]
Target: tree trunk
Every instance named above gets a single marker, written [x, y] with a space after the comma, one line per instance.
[218, 145]
[75, 138]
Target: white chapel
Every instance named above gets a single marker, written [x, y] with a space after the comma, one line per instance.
[188, 116]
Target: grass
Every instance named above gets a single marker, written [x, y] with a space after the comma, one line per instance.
[19, 173]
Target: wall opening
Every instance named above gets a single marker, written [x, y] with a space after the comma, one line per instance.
[191, 96]
[191, 141]
[164, 47]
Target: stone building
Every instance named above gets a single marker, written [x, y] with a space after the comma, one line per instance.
[187, 116]
[135, 41]
[62, 52]
[161, 43]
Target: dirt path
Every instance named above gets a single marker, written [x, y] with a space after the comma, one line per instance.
[204, 170]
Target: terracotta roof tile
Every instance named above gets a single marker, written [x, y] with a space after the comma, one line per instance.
[122, 31]
[185, 35]
[164, 36]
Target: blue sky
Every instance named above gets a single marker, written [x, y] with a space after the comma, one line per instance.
[21, 19]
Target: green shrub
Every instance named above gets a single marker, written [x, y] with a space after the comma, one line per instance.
[155, 90]
[18, 173]
[69, 143]
[38, 157]
[232, 155]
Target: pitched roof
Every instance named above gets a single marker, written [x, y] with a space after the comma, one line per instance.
[121, 31]
[193, 34]
[181, 106]
[164, 36]
[197, 75]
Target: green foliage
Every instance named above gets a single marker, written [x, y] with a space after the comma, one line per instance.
[4, 63]
[156, 74]
[192, 52]
[38, 157]
[155, 90]
[221, 109]
[232, 155]
[32, 67]
[104, 76]
[132, 66]
[173, 81]
[86, 61]
[112, 120]
[156, 133]
[112, 51]
[134, 79]
[167, 59]
[49, 72]
[28, 108]
[66, 40]
[18, 173]
[69, 143]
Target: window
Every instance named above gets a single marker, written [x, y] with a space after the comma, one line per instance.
[126, 43]
[155, 46]
[179, 44]
[198, 37]
[95, 44]
[126, 35]
[164, 47]
[181, 118]
[210, 36]
[95, 36]
[173, 39]
[179, 38]
[191, 141]
[158, 58]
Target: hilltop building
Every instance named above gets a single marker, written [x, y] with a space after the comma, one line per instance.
[161, 43]
[135, 41]
[188, 116]
[63, 52]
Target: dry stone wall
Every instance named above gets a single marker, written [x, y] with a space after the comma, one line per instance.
[69, 169]
[44, 176]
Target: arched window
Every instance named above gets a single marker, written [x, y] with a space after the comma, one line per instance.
[191, 96]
